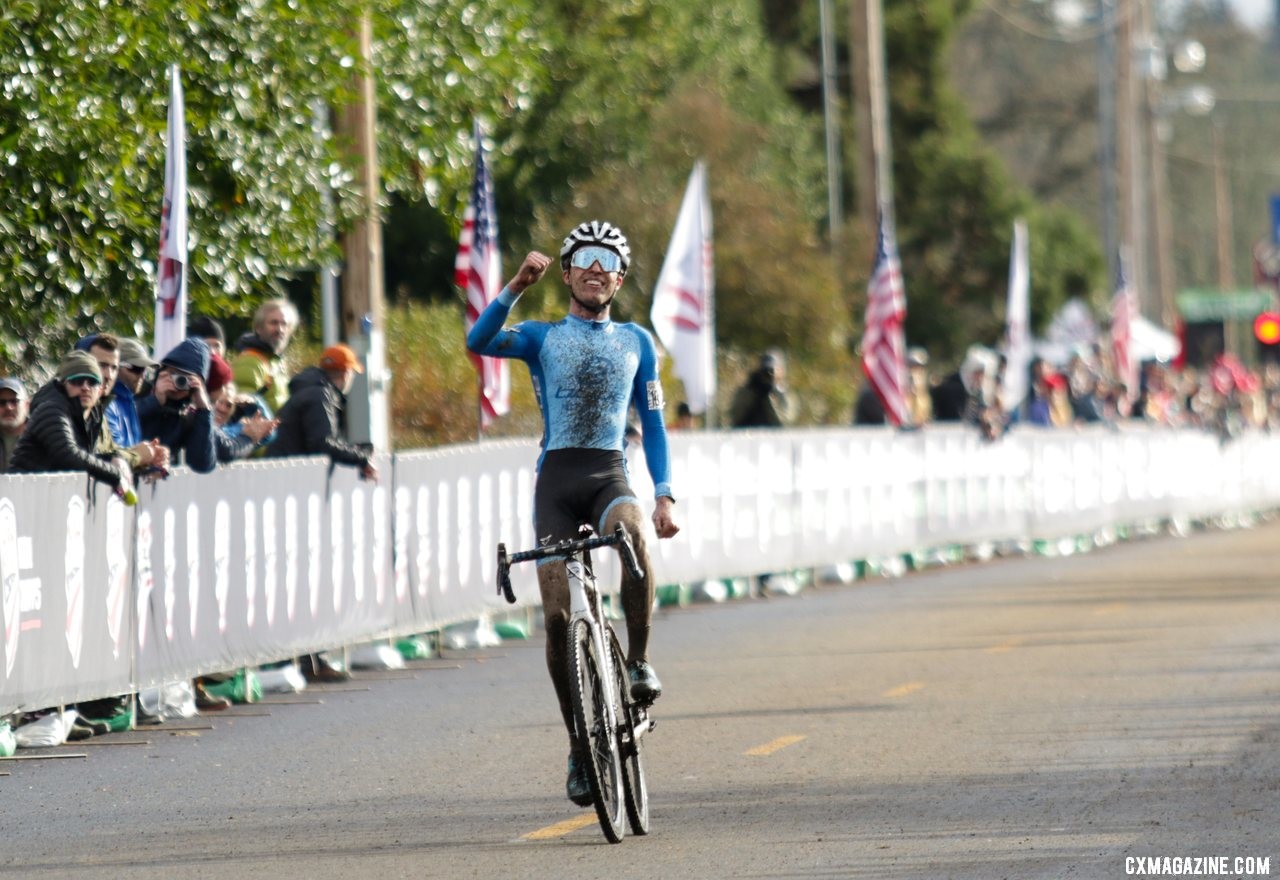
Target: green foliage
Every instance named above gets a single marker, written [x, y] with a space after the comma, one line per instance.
[956, 201]
[433, 392]
[82, 120]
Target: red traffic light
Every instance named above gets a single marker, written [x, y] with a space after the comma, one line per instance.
[1266, 327]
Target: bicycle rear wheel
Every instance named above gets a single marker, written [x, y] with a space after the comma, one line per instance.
[597, 741]
[630, 746]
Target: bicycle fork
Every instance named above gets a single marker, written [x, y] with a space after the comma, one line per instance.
[581, 605]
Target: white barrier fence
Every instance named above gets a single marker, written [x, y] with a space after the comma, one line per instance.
[266, 560]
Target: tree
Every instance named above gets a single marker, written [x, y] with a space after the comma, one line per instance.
[81, 138]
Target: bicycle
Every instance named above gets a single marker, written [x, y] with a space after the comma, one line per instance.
[608, 726]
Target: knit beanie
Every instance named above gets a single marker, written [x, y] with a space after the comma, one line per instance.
[219, 373]
[191, 355]
[78, 364]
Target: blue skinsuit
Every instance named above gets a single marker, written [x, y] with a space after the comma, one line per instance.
[585, 374]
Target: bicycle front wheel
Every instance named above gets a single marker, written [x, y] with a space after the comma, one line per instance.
[635, 788]
[597, 741]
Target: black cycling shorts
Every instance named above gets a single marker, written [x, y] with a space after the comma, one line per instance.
[577, 486]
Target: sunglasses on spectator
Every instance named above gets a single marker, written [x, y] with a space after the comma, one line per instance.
[82, 380]
[9, 401]
[583, 258]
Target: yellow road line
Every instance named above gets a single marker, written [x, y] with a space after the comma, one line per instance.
[774, 745]
[903, 690]
[560, 829]
[1006, 646]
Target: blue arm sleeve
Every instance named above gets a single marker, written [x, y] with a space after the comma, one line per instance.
[487, 336]
[115, 424]
[646, 396]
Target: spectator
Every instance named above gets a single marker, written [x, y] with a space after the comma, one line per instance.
[58, 436]
[868, 410]
[242, 426]
[206, 328]
[13, 418]
[919, 401]
[762, 401]
[122, 411]
[313, 420]
[259, 368]
[949, 398]
[104, 348]
[684, 418]
[964, 397]
[1087, 405]
[1060, 411]
[178, 411]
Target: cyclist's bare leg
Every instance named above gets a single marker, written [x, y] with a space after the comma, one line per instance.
[553, 583]
[637, 595]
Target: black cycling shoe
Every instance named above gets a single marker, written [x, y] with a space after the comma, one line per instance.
[578, 786]
[645, 687]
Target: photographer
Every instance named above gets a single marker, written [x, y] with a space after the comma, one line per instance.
[762, 402]
[178, 411]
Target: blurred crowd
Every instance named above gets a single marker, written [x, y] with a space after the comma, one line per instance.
[1225, 396]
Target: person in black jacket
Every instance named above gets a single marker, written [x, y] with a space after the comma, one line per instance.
[313, 421]
[58, 437]
[178, 411]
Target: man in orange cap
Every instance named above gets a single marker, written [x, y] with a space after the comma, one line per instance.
[313, 421]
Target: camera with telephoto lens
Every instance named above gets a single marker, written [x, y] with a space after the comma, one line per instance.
[181, 381]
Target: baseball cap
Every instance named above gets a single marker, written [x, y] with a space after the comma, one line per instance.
[340, 357]
[134, 353]
[10, 384]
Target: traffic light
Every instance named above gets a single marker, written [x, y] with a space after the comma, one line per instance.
[1266, 327]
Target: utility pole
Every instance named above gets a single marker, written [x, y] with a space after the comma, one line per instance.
[835, 208]
[859, 69]
[1222, 211]
[878, 95]
[362, 311]
[1129, 152]
[1107, 64]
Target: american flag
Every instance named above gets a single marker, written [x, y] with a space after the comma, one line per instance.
[1124, 309]
[883, 347]
[478, 272]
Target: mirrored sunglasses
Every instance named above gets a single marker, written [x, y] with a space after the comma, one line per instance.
[82, 380]
[583, 258]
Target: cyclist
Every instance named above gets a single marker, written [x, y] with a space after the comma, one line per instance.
[587, 370]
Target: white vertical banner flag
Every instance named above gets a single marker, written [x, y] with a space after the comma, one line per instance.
[171, 287]
[1124, 314]
[1017, 328]
[683, 312]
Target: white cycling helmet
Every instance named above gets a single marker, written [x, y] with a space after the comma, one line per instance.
[596, 232]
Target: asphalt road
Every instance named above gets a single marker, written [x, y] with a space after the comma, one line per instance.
[1023, 718]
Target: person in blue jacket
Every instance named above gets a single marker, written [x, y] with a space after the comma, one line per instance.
[587, 372]
[178, 411]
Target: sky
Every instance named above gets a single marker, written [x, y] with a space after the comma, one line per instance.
[1254, 13]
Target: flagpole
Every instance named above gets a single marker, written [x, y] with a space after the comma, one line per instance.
[880, 144]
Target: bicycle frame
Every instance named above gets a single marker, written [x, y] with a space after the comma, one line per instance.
[585, 604]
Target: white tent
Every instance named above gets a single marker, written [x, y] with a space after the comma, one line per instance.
[1073, 328]
[1151, 342]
